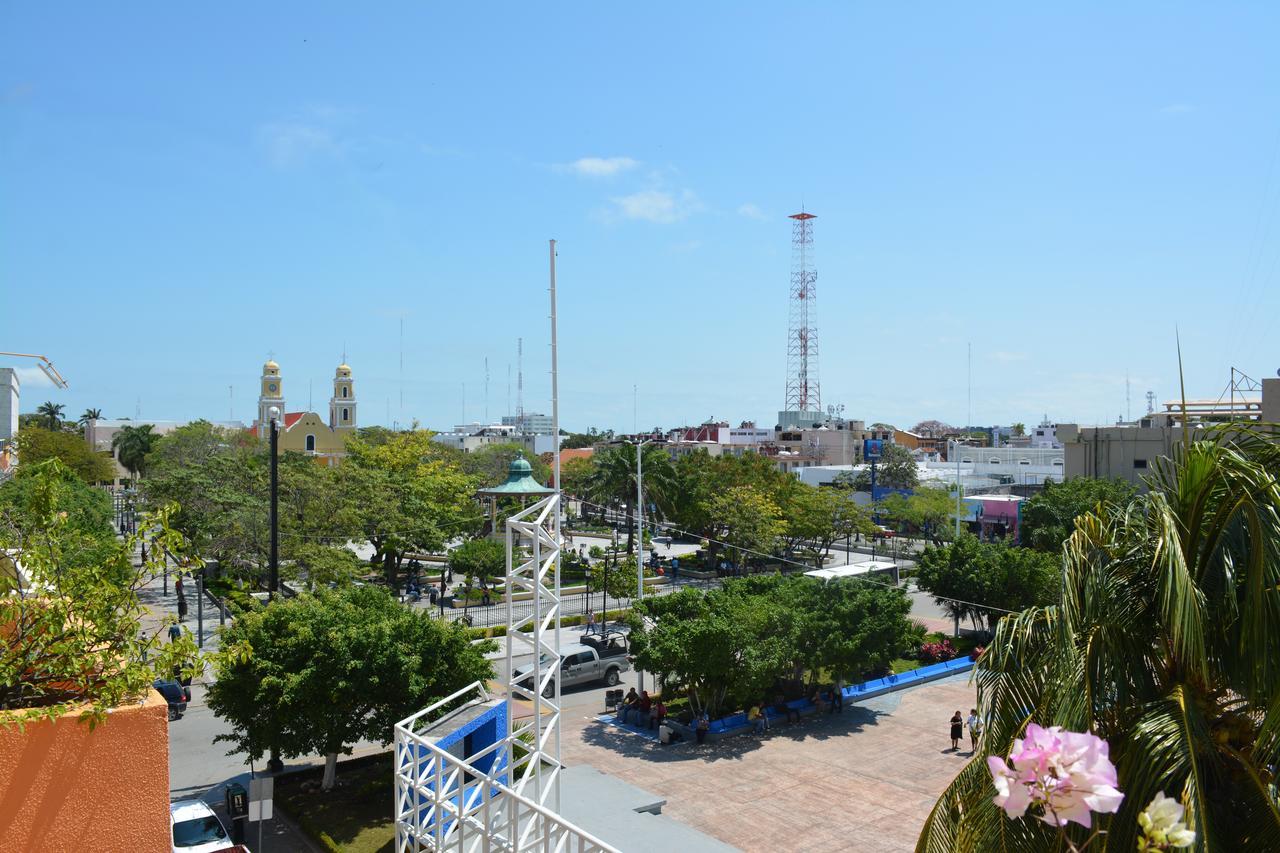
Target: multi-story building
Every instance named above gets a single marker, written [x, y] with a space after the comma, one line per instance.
[100, 434]
[9, 388]
[530, 422]
[1128, 451]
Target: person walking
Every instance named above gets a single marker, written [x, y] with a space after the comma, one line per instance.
[591, 622]
[974, 723]
[957, 731]
[174, 633]
[837, 697]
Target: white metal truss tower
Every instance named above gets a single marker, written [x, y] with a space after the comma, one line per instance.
[803, 391]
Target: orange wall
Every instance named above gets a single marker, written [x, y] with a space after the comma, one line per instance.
[64, 787]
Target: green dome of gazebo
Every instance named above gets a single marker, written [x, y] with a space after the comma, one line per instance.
[520, 482]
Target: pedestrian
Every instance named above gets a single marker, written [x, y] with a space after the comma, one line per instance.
[975, 728]
[957, 731]
[591, 622]
[657, 713]
[703, 726]
[627, 704]
[643, 705]
[837, 697]
[144, 552]
[177, 585]
[759, 722]
[182, 608]
[174, 633]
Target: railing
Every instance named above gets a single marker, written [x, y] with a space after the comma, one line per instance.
[447, 803]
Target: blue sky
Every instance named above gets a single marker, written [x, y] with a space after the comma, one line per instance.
[184, 189]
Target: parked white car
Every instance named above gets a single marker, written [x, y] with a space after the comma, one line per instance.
[196, 829]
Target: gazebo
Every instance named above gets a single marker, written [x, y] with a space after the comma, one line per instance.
[519, 484]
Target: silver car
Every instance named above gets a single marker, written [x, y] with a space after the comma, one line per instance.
[579, 665]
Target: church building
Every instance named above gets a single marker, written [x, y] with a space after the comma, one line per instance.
[306, 432]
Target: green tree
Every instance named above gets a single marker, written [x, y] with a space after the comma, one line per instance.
[746, 519]
[318, 673]
[614, 480]
[1164, 642]
[929, 510]
[323, 565]
[74, 633]
[1048, 518]
[701, 477]
[89, 415]
[36, 444]
[986, 575]
[575, 477]
[821, 516]
[50, 414]
[479, 559]
[408, 494]
[617, 579]
[1018, 429]
[132, 444]
[895, 469]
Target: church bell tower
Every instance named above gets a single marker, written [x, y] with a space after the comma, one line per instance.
[272, 394]
[342, 406]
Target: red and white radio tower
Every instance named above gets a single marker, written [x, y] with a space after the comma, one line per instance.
[803, 392]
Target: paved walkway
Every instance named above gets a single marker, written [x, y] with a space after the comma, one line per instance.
[864, 781]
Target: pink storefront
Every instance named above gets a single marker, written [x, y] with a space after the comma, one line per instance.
[999, 516]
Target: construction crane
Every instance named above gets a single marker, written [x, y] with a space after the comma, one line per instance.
[44, 364]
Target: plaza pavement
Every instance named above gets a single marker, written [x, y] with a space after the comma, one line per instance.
[862, 781]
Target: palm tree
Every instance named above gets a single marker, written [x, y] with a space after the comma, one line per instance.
[132, 444]
[52, 414]
[1166, 642]
[614, 480]
[89, 415]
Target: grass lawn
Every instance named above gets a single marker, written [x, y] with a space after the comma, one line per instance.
[355, 817]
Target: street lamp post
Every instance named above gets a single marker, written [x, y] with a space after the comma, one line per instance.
[274, 765]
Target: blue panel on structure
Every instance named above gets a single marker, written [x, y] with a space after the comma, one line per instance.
[476, 735]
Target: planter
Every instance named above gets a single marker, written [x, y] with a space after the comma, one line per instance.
[58, 777]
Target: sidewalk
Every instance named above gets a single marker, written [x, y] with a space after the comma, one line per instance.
[160, 605]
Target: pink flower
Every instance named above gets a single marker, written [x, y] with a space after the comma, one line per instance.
[1068, 773]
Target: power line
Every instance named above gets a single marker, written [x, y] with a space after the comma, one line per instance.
[681, 531]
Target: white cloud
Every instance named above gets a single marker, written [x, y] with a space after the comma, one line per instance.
[657, 206]
[599, 167]
[1176, 109]
[751, 211]
[292, 143]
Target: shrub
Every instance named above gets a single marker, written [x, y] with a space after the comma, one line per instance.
[937, 652]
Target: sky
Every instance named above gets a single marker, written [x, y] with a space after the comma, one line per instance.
[1060, 192]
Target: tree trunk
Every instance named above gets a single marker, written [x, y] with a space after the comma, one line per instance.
[631, 528]
[330, 771]
[389, 564]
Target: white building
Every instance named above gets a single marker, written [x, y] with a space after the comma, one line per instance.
[9, 388]
[532, 422]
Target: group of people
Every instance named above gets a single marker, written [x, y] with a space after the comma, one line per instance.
[959, 724]
[642, 710]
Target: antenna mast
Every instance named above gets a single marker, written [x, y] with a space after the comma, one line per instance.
[486, 390]
[803, 391]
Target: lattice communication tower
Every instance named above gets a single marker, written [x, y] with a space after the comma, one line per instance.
[803, 392]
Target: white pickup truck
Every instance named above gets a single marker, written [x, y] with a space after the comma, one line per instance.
[582, 664]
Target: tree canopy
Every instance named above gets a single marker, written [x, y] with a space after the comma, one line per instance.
[988, 574]
[1048, 518]
[36, 444]
[729, 646]
[74, 635]
[482, 559]
[318, 673]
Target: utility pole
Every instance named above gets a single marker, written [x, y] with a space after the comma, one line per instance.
[274, 764]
